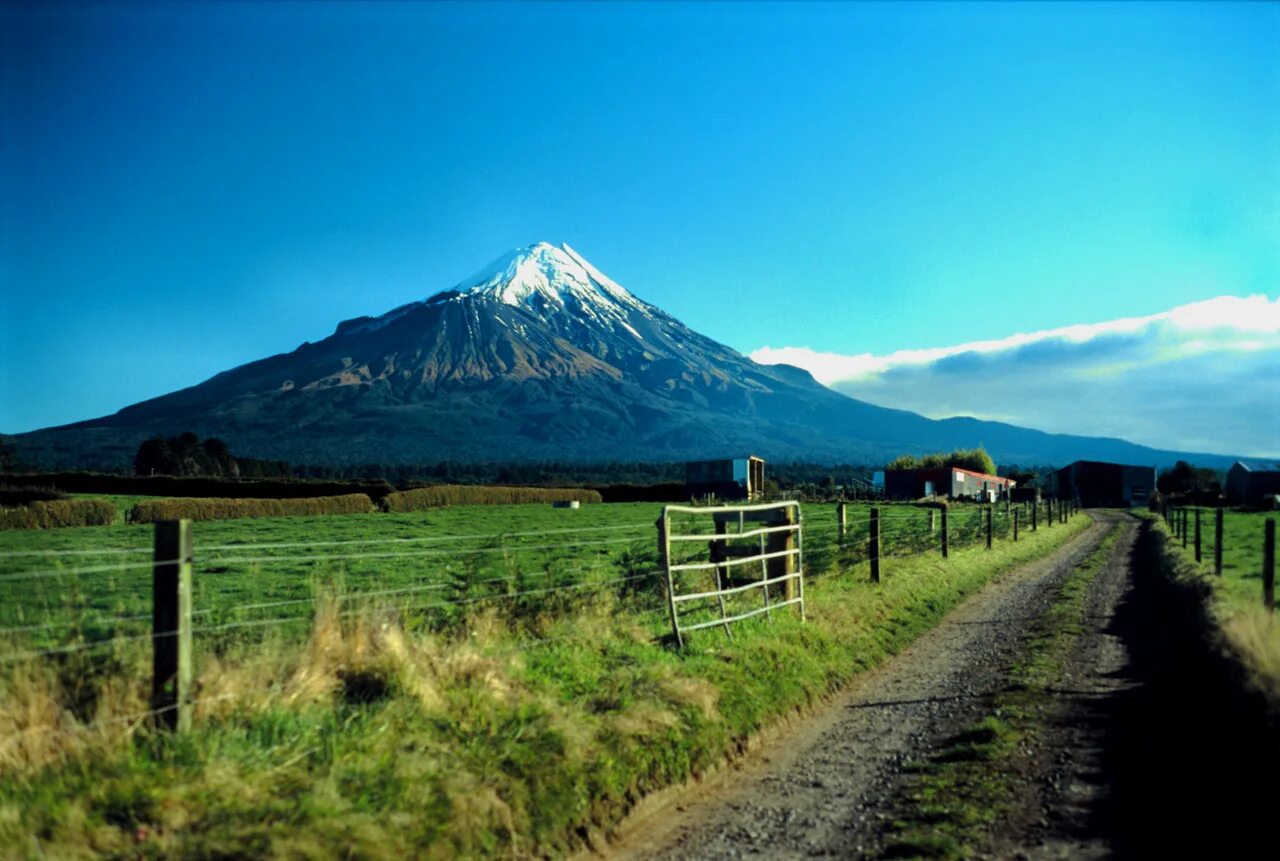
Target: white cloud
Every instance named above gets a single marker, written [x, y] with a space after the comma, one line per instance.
[1203, 376]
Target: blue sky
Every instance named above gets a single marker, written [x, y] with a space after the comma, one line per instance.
[187, 187]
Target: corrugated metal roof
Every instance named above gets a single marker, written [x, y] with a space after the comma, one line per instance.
[1259, 465]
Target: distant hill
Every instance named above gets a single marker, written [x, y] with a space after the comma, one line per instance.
[540, 356]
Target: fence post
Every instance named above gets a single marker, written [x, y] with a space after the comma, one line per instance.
[989, 527]
[842, 517]
[1197, 535]
[1217, 541]
[932, 525]
[664, 551]
[873, 545]
[171, 625]
[1015, 524]
[1269, 565]
[944, 533]
[1184, 529]
[790, 589]
[1048, 512]
[1035, 516]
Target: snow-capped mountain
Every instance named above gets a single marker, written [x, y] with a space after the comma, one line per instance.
[539, 355]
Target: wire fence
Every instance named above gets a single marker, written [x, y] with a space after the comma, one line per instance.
[89, 612]
[241, 586]
[1241, 544]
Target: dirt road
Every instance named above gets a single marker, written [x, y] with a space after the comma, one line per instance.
[815, 794]
[1113, 762]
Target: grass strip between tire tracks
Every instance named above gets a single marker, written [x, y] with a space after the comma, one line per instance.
[954, 798]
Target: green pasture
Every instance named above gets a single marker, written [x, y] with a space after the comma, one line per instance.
[1242, 539]
[122, 502]
[253, 578]
[497, 728]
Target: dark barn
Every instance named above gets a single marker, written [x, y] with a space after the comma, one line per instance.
[732, 478]
[1249, 482]
[1096, 484]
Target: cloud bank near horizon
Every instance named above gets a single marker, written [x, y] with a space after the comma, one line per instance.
[1199, 377]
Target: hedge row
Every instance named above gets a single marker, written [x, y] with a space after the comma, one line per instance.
[59, 512]
[26, 494]
[467, 494]
[197, 486]
[149, 511]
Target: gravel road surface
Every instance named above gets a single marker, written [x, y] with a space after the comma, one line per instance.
[816, 791]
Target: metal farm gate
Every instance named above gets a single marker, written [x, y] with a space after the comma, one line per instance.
[752, 563]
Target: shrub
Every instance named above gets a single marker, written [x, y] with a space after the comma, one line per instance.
[196, 486]
[149, 511]
[56, 513]
[462, 494]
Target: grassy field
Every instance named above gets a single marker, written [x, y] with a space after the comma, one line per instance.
[519, 699]
[122, 502]
[1242, 535]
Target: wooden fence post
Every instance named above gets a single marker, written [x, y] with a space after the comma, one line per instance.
[791, 589]
[933, 527]
[1269, 565]
[1048, 512]
[171, 625]
[1197, 535]
[1015, 524]
[842, 517]
[664, 552]
[944, 533]
[1035, 516]
[1217, 541]
[1184, 529]
[873, 545]
[989, 527]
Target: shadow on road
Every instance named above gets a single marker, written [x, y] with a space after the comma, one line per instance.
[1192, 758]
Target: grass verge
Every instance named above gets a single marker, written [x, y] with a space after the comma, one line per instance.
[1234, 601]
[495, 738]
[955, 797]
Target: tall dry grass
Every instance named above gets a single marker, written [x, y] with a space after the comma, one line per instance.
[152, 510]
[461, 494]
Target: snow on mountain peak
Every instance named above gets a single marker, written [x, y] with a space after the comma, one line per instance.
[558, 276]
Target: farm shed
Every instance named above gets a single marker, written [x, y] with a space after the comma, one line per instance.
[733, 478]
[1025, 493]
[1250, 481]
[1097, 484]
[946, 481]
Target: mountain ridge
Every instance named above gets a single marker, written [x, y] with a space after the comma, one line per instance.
[539, 356]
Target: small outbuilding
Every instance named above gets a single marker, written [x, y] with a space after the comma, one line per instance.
[949, 481]
[1097, 484]
[733, 478]
[1249, 482]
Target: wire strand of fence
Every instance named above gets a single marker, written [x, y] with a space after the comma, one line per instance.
[381, 593]
[113, 551]
[432, 539]
[94, 569]
[69, 623]
[600, 585]
[334, 557]
[71, 648]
